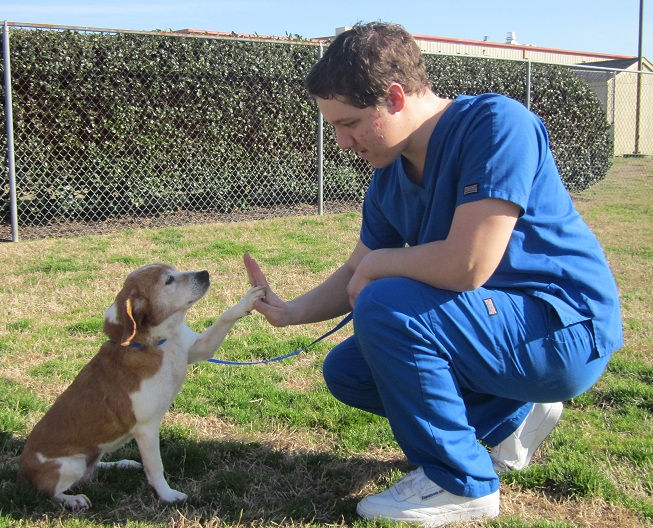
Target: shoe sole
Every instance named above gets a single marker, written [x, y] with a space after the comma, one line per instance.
[430, 520]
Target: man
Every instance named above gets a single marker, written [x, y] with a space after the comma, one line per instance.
[476, 287]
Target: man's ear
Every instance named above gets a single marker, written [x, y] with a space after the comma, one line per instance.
[396, 99]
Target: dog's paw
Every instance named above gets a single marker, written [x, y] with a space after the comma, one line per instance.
[122, 464]
[246, 304]
[128, 464]
[76, 502]
[172, 496]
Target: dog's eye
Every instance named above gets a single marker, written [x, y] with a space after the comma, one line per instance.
[170, 280]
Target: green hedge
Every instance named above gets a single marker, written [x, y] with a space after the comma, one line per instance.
[114, 124]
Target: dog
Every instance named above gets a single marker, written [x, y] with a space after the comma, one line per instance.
[128, 386]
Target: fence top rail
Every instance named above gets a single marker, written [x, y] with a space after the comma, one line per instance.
[296, 40]
[587, 66]
[607, 69]
[193, 33]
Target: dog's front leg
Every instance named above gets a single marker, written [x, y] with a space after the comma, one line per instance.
[147, 439]
[210, 340]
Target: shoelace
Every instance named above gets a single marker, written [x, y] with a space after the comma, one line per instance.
[415, 483]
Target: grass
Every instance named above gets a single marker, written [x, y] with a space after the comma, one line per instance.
[268, 445]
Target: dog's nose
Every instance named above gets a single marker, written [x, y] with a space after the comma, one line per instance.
[203, 275]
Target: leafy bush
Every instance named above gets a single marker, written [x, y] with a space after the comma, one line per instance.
[133, 124]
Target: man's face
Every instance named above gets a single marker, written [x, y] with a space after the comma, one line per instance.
[369, 131]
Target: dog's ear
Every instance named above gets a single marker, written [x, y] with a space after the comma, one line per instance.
[129, 322]
[133, 317]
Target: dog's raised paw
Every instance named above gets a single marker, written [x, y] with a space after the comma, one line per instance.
[254, 293]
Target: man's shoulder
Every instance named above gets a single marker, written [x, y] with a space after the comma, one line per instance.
[490, 109]
[490, 100]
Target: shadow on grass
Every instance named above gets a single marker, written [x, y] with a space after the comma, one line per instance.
[228, 482]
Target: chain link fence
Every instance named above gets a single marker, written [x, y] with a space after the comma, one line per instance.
[139, 130]
[627, 100]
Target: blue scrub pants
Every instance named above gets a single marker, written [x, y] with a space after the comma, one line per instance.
[448, 369]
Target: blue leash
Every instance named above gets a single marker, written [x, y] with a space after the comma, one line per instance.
[342, 323]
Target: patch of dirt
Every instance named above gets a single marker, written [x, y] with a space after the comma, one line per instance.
[530, 505]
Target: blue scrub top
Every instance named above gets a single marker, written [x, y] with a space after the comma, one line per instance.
[491, 146]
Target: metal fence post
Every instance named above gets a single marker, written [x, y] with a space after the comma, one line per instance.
[320, 152]
[640, 66]
[528, 84]
[13, 207]
[613, 112]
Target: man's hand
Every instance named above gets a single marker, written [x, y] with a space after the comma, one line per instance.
[363, 275]
[271, 306]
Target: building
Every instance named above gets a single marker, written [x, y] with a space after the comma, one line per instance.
[510, 49]
[614, 79]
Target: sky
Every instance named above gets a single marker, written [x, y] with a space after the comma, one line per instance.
[600, 26]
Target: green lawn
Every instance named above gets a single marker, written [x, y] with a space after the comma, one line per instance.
[267, 445]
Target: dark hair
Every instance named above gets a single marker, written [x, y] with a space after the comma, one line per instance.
[362, 62]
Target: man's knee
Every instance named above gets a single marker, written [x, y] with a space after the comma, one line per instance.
[378, 300]
[332, 370]
[342, 367]
[349, 379]
[386, 305]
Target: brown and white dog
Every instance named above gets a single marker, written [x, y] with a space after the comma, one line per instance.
[127, 388]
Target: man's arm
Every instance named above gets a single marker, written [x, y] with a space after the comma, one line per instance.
[465, 260]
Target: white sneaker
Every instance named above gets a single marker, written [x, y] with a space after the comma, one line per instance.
[416, 498]
[516, 451]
